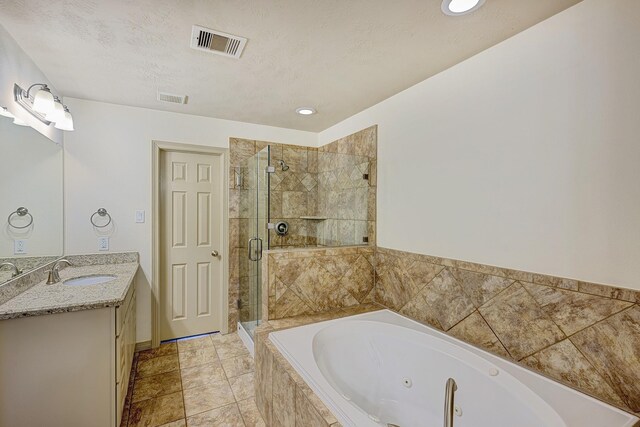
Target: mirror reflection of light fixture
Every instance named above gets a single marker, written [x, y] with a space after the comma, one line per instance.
[44, 106]
[5, 113]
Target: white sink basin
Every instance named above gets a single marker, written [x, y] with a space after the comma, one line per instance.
[93, 279]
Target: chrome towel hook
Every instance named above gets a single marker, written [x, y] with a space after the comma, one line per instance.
[100, 212]
[21, 211]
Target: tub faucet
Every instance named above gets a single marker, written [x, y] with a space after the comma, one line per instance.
[54, 274]
[449, 407]
[16, 270]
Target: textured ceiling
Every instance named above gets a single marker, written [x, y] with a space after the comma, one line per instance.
[339, 56]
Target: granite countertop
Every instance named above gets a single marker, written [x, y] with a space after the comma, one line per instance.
[58, 298]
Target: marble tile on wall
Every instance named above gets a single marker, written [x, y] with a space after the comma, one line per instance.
[613, 347]
[475, 330]
[481, 287]
[240, 150]
[525, 321]
[563, 362]
[520, 324]
[573, 311]
[395, 285]
[441, 303]
[313, 281]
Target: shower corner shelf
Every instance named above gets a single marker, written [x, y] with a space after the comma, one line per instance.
[314, 218]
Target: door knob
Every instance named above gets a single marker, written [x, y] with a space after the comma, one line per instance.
[215, 253]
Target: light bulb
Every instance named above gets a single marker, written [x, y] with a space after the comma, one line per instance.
[305, 111]
[460, 7]
[57, 113]
[43, 102]
[67, 122]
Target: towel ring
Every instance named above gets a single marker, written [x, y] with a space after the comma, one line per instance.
[101, 212]
[21, 211]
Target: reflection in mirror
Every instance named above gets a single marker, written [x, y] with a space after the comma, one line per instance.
[30, 199]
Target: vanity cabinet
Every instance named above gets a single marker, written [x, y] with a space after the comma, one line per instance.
[125, 347]
[67, 369]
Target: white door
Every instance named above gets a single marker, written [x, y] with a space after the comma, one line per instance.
[191, 274]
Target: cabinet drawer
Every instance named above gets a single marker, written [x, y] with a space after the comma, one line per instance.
[121, 311]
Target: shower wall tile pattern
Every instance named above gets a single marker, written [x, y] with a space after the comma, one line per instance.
[584, 335]
[311, 281]
[345, 198]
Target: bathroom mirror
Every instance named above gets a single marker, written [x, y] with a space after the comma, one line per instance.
[31, 199]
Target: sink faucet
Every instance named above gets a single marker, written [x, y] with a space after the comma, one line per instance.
[16, 270]
[54, 274]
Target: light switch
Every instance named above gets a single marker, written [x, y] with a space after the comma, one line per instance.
[103, 243]
[139, 216]
[19, 246]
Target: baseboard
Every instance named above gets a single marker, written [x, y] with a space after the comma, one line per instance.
[144, 345]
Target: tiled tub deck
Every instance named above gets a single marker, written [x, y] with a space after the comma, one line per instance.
[282, 396]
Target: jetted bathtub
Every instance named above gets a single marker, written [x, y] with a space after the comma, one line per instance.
[381, 368]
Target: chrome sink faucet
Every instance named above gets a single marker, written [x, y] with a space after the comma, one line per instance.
[54, 274]
[16, 270]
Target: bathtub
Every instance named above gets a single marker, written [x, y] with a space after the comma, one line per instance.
[380, 368]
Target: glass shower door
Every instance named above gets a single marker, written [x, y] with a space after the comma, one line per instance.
[256, 199]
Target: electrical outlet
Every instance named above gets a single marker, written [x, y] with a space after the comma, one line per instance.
[19, 246]
[140, 216]
[103, 243]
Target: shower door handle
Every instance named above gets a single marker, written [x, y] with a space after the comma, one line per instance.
[259, 249]
[250, 252]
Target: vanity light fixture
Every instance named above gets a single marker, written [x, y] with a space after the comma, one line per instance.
[57, 112]
[44, 106]
[5, 113]
[306, 111]
[43, 101]
[67, 122]
[460, 7]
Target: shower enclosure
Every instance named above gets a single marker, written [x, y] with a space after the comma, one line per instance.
[295, 197]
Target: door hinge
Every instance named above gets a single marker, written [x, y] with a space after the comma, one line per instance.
[270, 226]
[271, 169]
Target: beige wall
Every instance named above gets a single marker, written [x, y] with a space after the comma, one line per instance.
[108, 164]
[524, 156]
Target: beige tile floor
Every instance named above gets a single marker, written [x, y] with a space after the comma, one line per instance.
[203, 381]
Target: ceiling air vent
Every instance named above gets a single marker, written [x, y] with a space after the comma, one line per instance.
[172, 98]
[213, 41]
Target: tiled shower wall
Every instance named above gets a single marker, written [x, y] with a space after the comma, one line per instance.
[290, 191]
[310, 281]
[294, 194]
[582, 334]
[347, 189]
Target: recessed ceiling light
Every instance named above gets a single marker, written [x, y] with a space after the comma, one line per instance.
[460, 7]
[305, 111]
